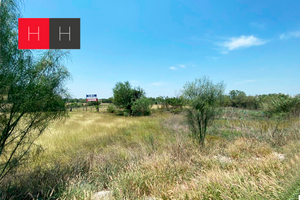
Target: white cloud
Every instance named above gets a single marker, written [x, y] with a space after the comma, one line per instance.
[283, 36]
[289, 35]
[182, 66]
[242, 41]
[295, 34]
[172, 68]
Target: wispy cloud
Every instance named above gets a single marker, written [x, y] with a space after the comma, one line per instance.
[182, 66]
[295, 34]
[290, 35]
[172, 68]
[224, 52]
[242, 41]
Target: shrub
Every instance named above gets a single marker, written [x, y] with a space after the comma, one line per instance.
[141, 107]
[176, 111]
[111, 109]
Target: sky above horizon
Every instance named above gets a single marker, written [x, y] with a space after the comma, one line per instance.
[162, 44]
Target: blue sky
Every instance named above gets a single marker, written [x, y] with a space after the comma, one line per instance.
[253, 46]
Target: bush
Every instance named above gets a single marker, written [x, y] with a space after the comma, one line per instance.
[126, 113]
[125, 97]
[176, 111]
[111, 109]
[141, 107]
[203, 97]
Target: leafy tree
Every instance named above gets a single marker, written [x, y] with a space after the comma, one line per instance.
[226, 101]
[203, 98]
[238, 98]
[31, 91]
[234, 94]
[125, 97]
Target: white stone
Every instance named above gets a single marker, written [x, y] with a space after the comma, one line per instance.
[223, 159]
[102, 195]
[279, 156]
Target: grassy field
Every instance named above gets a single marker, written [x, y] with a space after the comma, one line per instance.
[245, 157]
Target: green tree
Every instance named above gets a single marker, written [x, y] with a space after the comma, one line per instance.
[203, 98]
[125, 97]
[238, 98]
[32, 91]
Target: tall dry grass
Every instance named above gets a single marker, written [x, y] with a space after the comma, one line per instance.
[142, 157]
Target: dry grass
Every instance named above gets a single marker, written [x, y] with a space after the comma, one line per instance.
[138, 157]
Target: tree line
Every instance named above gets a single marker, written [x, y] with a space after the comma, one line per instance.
[235, 98]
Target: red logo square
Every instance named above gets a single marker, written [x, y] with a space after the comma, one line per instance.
[33, 33]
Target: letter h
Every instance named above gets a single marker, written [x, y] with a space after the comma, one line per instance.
[69, 33]
[38, 33]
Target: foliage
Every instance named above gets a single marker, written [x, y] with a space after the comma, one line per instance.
[162, 100]
[170, 103]
[237, 94]
[239, 99]
[111, 109]
[125, 97]
[203, 97]
[109, 100]
[175, 102]
[176, 111]
[152, 100]
[31, 91]
[282, 107]
[141, 107]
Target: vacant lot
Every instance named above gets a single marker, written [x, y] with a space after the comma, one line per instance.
[245, 157]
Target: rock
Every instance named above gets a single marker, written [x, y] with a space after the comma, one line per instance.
[223, 159]
[279, 156]
[102, 195]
